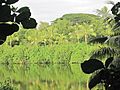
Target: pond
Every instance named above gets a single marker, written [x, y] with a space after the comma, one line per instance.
[42, 77]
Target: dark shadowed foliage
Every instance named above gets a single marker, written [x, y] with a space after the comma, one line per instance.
[109, 74]
[99, 40]
[10, 18]
[106, 51]
[93, 65]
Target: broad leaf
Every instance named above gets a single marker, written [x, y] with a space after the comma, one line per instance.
[4, 28]
[95, 79]
[2, 39]
[24, 9]
[13, 28]
[108, 61]
[115, 8]
[91, 65]
[11, 1]
[8, 29]
[12, 18]
[98, 76]
[5, 19]
[29, 24]
[5, 13]
[23, 16]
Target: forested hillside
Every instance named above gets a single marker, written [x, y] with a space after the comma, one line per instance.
[65, 40]
[79, 18]
[64, 30]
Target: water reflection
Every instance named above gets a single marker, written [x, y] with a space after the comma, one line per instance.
[41, 77]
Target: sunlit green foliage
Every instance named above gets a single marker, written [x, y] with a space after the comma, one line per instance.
[63, 31]
[80, 18]
[63, 42]
[109, 73]
[42, 77]
[12, 17]
[63, 54]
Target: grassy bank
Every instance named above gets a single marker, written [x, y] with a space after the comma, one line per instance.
[64, 53]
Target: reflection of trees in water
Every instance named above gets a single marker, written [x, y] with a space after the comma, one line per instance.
[47, 85]
[15, 67]
[9, 67]
[53, 70]
[42, 77]
[61, 68]
[73, 85]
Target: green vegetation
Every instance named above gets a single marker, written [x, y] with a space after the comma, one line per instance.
[50, 56]
[63, 54]
[12, 17]
[42, 77]
[108, 73]
[80, 18]
[60, 42]
[63, 31]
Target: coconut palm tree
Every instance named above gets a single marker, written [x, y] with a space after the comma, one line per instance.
[108, 73]
[104, 13]
[84, 31]
[114, 40]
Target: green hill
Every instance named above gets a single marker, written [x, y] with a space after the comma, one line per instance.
[79, 18]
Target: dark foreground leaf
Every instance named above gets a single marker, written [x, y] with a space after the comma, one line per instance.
[13, 28]
[29, 24]
[24, 9]
[5, 13]
[23, 16]
[108, 61]
[115, 8]
[91, 65]
[11, 1]
[95, 79]
[99, 40]
[8, 29]
[2, 39]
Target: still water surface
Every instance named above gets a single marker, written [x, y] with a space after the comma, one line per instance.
[43, 77]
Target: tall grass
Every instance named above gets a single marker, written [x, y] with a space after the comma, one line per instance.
[64, 53]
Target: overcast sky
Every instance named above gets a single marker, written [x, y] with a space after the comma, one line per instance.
[49, 10]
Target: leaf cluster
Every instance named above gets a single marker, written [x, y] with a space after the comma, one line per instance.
[116, 12]
[11, 18]
[108, 73]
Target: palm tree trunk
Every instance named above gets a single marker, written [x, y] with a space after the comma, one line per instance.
[86, 38]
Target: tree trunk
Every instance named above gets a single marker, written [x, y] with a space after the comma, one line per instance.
[86, 38]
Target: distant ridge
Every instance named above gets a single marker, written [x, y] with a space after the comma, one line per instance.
[79, 17]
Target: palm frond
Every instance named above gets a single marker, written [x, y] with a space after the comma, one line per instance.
[116, 26]
[114, 41]
[106, 51]
[98, 40]
[110, 2]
